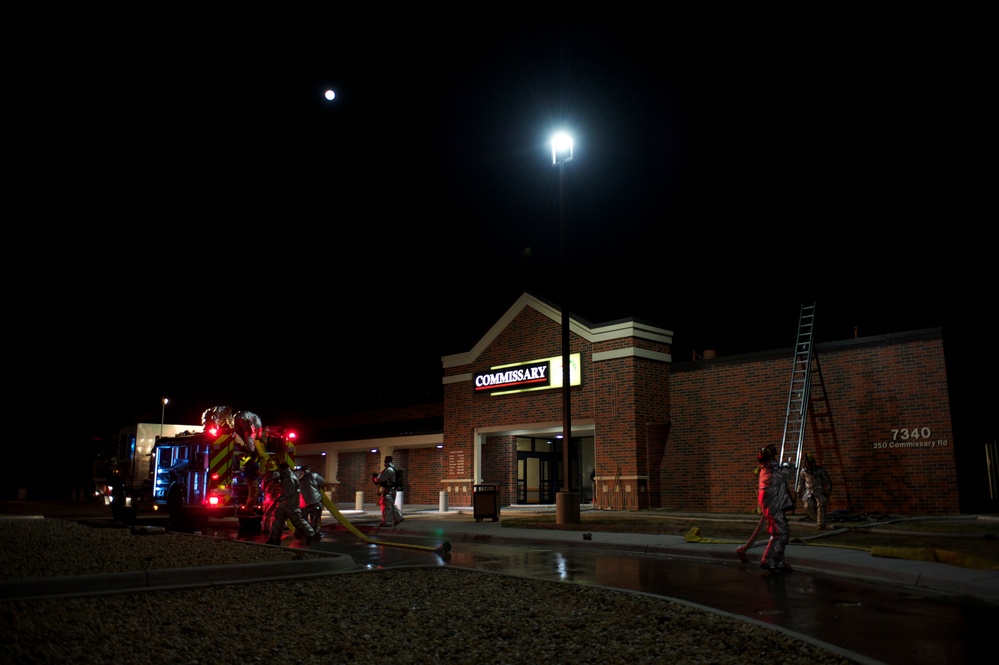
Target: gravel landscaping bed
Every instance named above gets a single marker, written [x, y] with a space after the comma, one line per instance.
[417, 615]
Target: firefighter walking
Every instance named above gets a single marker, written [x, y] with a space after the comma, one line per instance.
[774, 499]
[283, 497]
[391, 515]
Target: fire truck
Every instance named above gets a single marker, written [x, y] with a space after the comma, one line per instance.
[200, 476]
[121, 470]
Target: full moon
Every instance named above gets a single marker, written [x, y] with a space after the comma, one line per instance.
[330, 95]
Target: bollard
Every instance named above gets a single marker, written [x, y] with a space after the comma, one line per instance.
[443, 503]
[398, 500]
[358, 500]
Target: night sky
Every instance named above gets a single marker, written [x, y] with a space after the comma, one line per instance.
[203, 225]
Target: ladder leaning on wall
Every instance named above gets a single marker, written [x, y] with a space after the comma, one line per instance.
[797, 396]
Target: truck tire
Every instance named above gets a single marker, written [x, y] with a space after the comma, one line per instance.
[124, 514]
[119, 511]
[250, 524]
[182, 516]
[175, 508]
[249, 518]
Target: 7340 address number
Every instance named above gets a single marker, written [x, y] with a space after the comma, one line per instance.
[917, 437]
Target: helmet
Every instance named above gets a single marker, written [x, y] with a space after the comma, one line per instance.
[809, 459]
[767, 453]
[248, 425]
[216, 417]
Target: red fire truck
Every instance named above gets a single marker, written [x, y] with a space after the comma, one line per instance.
[199, 476]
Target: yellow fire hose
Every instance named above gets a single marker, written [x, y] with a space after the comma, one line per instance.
[443, 548]
[271, 466]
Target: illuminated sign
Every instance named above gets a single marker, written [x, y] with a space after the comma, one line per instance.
[538, 374]
[515, 376]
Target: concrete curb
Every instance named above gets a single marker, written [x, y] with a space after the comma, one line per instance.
[171, 578]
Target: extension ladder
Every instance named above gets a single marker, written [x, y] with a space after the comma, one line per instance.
[797, 397]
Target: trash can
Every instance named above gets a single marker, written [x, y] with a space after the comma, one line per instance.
[485, 502]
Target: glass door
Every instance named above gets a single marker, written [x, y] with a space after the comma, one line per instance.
[537, 471]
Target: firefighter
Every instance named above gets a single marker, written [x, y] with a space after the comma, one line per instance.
[774, 499]
[273, 491]
[251, 472]
[248, 427]
[312, 486]
[391, 515]
[288, 496]
[217, 417]
[814, 488]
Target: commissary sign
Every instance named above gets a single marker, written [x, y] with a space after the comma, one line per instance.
[532, 375]
[517, 376]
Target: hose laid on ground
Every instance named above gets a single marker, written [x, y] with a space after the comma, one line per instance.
[443, 548]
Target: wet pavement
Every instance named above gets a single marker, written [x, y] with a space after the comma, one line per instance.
[880, 609]
[888, 610]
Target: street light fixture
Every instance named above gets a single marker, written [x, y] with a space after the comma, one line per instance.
[162, 415]
[566, 502]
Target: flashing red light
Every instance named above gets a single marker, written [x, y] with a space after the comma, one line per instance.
[214, 500]
[292, 435]
[215, 476]
[214, 431]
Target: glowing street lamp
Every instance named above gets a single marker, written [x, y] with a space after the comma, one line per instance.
[162, 415]
[561, 150]
[566, 502]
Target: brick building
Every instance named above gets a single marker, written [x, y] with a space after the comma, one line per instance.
[651, 433]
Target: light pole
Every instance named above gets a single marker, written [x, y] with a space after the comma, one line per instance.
[162, 415]
[566, 502]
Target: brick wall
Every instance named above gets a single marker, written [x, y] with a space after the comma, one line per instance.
[423, 468]
[529, 335]
[630, 397]
[354, 475]
[879, 420]
[499, 466]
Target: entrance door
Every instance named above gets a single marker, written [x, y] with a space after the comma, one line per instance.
[539, 467]
[537, 470]
[534, 479]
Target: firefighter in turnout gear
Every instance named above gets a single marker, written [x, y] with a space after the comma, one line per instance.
[312, 506]
[248, 427]
[273, 490]
[814, 488]
[251, 472]
[391, 515]
[283, 504]
[774, 499]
